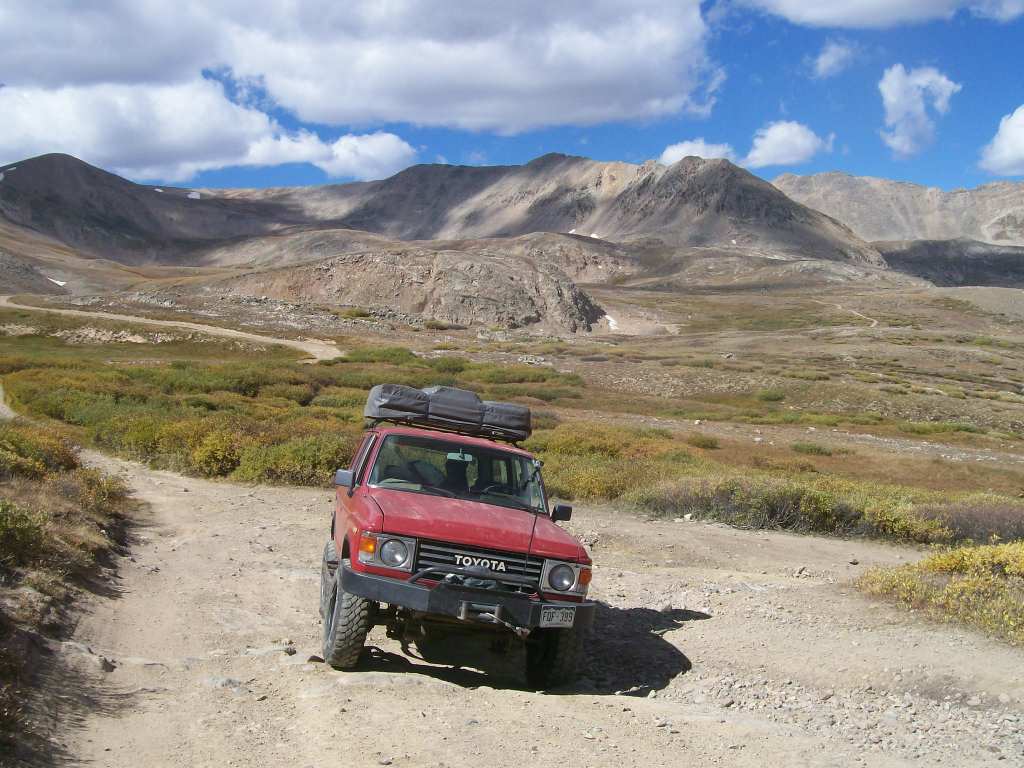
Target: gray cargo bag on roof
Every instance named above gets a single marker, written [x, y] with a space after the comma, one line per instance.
[506, 420]
[398, 402]
[448, 408]
[456, 408]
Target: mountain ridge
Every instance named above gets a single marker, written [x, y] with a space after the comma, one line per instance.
[879, 209]
[694, 202]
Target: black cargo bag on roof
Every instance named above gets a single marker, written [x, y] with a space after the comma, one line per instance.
[455, 408]
[506, 420]
[396, 402]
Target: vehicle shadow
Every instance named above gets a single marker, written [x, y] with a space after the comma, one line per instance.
[624, 653]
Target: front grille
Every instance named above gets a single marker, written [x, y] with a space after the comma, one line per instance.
[442, 554]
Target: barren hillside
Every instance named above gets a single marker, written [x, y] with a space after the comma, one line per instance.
[881, 209]
[694, 202]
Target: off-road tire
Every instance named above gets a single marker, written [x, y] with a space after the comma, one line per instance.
[433, 646]
[551, 657]
[347, 620]
[327, 569]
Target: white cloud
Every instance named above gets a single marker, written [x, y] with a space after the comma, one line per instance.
[174, 131]
[907, 96]
[835, 56]
[370, 156]
[504, 67]
[697, 148]
[867, 14]
[785, 143]
[1004, 155]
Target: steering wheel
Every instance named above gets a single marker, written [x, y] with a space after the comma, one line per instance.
[504, 489]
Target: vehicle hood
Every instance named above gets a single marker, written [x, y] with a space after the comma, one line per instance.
[455, 520]
[551, 540]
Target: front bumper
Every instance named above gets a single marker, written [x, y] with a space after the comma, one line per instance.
[458, 600]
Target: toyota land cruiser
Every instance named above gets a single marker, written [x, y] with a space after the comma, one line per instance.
[440, 525]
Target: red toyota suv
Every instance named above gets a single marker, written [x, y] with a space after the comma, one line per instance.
[436, 530]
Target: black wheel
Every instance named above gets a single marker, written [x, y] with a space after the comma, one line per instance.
[433, 646]
[347, 620]
[327, 569]
[551, 657]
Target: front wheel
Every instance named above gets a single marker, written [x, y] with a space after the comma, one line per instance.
[347, 619]
[552, 656]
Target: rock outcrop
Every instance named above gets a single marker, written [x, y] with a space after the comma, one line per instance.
[449, 286]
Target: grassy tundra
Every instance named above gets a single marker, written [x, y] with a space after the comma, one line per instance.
[222, 409]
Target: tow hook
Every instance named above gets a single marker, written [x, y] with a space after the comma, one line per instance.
[521, 632]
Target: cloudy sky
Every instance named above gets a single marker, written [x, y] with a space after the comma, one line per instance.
[262, 93]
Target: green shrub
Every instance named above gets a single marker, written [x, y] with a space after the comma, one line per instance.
[31, 452]
[298, 393]
[441, 325]
[807, 375]
[97, 493]
[352, 313]
[22, 535]
[981, 586]
[217, 455]
[449, 364]
[706, 442]
[303, 461]
[771, 395]
[340, 397]
[937, 427]
[756, 503]
[811, 449]
[390, 355]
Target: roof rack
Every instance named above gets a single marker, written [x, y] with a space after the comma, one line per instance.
[448, 429]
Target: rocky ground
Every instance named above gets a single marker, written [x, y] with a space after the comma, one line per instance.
[712, 646]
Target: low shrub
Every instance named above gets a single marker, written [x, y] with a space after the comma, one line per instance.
[28, 450]
[22, 535]
[441, 325]
[772, 504]
[298, 393]
[302, 461]
[707, 442]
[390, 355]
[982, 586]
[218, 454]
[771, 395]
[978, 518]
[811, 449]
[352, 313]
[807, 375]
[937, 427]
[449, 364]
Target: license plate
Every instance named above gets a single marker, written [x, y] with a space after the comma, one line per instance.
[557, 616]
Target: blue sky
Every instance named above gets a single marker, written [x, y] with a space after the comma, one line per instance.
[221, 94]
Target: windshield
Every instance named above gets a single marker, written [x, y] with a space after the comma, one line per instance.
[486, 475]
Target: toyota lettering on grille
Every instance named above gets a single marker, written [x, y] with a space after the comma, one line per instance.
[481, 562]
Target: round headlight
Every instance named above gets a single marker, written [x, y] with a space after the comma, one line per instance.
[394, 553]
[561, 577]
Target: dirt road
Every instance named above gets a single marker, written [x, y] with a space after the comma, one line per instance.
[712, 646]
[317, 349]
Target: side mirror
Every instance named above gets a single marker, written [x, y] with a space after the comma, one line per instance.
[561, 512]
[343, 478]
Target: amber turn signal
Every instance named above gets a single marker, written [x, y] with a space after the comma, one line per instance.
[367, 544]
[585, 576]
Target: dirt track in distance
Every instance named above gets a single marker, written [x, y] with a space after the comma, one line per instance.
[318, 350]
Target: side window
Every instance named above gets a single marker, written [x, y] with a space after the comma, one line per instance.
[360, 457]
[499, 470]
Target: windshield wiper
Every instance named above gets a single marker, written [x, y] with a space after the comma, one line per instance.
[516, 503]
